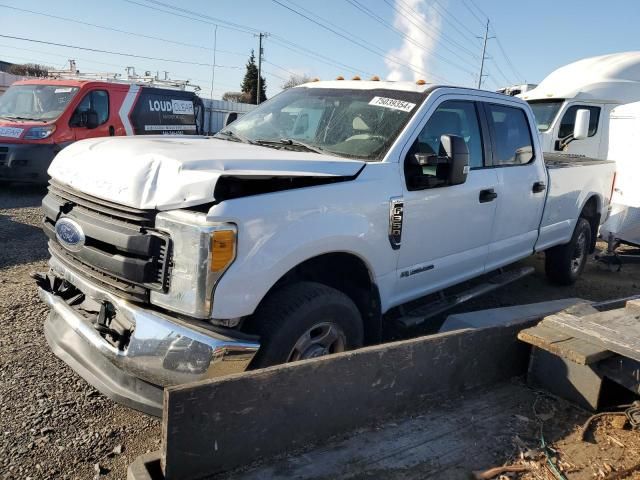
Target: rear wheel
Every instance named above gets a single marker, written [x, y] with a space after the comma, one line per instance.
[565, 263]
[305, 320]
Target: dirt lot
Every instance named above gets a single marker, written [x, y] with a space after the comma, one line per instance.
[53, 425]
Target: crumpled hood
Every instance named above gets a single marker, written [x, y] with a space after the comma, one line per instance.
[156, 172]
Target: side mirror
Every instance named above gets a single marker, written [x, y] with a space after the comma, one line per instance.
[454, 148]
[91, 120]
[581, 126]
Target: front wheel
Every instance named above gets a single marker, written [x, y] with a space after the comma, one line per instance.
[305, 320]
[565, 263]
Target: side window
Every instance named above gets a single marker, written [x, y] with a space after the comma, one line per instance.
[453, 117]
[513, 144]
[569, 120]
[96, 100]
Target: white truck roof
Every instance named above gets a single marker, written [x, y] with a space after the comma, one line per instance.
[369, 85]
[614, 77]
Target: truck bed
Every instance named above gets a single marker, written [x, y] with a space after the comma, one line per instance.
[564, 160]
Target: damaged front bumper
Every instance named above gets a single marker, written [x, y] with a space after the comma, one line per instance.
[156, 351]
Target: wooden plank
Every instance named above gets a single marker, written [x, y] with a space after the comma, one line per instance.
[563, 344]
[615, 330]
[633, 307]
[225, 423]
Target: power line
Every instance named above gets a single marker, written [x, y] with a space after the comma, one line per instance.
[319, 57]
[452, 19]
[283, 42]
[506, 57]
[475, 15]
[351, 40]
[281, 68]
[124, 54]
[190, 14]
[412, 12]
[386, 24]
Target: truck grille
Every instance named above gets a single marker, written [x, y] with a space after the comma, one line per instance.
[122, 251]
[4, 153]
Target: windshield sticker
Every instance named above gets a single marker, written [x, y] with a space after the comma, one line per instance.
[11, 132]
[63, 90]
[392, 103]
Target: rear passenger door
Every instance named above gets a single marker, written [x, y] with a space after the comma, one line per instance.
[521, 186]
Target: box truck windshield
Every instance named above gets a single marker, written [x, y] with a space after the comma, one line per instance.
[545, 112]
[35, 102]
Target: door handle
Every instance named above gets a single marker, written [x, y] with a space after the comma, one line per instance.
[539, 187]
[488, 195]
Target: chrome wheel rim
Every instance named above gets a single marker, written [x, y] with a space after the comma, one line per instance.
[579, 253]
[322, 339]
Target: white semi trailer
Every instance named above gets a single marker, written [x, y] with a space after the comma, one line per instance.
[597, 85]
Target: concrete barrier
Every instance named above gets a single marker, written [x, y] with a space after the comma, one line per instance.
[226, 423]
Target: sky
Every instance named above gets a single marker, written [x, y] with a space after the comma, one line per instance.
[434, 40]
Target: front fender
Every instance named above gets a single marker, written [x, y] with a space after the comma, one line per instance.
[278, 231]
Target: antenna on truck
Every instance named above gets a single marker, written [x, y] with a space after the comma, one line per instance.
[130, 77]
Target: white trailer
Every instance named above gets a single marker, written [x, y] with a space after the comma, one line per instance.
[623, 224]
[218, 113]
[597, 85]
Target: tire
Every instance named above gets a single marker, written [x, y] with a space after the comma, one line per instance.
[565, 263]
[299, 320]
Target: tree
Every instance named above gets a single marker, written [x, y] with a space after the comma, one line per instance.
[250, 82]
[296, 80]
[30, 70]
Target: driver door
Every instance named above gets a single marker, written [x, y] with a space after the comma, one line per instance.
[446, 228]
[98, 102]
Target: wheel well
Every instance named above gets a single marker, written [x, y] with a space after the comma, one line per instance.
[347, 273]
[591, 212]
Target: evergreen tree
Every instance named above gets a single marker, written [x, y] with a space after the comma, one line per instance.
[250, 83]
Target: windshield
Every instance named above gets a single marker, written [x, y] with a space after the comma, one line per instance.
[350, 123]
[35, 102]
[545, 112]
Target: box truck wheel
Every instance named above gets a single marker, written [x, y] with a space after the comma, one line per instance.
[565, 263]
[305, 320]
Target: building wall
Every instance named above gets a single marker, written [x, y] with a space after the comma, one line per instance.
[7, 79]
[216, 112]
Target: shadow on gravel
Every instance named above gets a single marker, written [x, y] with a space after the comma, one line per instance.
[20, 196]
[20, 243]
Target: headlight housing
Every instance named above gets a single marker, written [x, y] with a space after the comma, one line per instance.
[39, 133]
[201, 252]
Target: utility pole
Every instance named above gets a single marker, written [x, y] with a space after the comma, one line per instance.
[484, 56]
[260, 52]
[213, 67]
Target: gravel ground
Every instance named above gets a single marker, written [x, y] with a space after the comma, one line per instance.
[53, 425]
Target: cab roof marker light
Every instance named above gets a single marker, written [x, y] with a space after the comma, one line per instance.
[420, 82]
[356, 77]
[315, 79]
[339, 77]
[375, 78]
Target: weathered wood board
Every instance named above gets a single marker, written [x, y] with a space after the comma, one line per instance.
[563, 344]
[616, 330]
[222, 424]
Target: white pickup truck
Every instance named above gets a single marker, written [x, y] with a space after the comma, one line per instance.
[299, 229]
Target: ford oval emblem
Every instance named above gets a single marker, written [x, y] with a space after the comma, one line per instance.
[70, 234]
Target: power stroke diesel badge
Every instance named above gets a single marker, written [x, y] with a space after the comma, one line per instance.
[70, 234]
[396, 214]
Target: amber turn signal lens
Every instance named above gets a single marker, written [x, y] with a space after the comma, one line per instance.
[223, 249]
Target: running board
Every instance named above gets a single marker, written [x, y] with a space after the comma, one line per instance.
[425, 312]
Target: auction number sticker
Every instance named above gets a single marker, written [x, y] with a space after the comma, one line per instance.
[11, 132]
[392, 103]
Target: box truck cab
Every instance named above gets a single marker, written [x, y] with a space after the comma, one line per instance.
[38, 118]
[593, 86]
